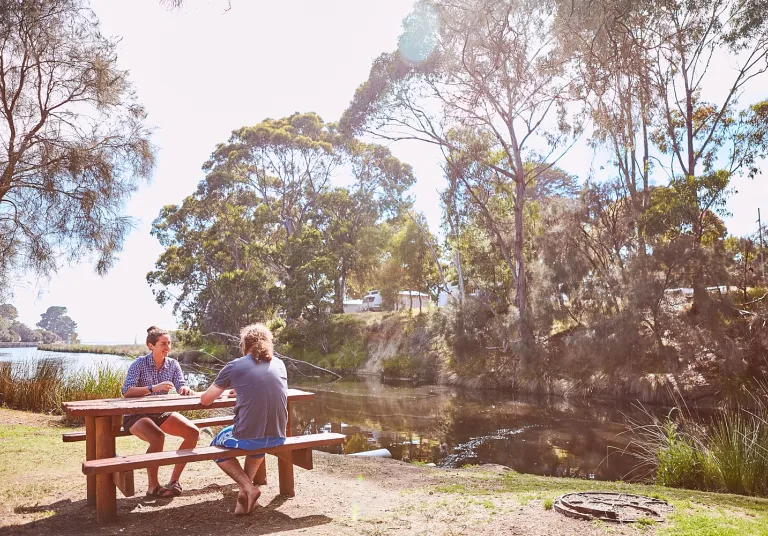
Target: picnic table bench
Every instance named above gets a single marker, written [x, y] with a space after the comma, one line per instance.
[107, 472]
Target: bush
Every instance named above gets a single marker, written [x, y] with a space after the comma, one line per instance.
[400, 367]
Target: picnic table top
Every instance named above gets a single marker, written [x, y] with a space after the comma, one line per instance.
[156, 404]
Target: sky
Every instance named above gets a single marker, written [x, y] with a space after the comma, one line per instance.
[206, 70]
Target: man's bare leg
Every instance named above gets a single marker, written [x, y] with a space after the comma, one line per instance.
[252, 466]
[249, 494]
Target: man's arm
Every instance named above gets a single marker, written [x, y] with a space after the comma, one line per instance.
[211, 394]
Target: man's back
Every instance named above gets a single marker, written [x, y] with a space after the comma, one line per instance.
[262, 396]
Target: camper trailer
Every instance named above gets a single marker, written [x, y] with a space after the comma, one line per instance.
[372, 301]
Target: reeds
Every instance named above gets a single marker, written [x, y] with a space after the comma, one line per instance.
[42, 385]
[730, 454]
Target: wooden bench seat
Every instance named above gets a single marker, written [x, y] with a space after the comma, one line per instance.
[172, 457]
[117, 472]
[225, 420]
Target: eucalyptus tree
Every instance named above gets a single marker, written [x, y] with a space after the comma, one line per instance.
[287, 213]
[472, 70]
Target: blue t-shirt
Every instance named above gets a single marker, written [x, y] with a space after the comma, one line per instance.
[262, 396]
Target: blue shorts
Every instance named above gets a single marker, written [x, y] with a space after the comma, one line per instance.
[226, 439]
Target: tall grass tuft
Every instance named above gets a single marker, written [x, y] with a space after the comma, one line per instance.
[730, 454]
[42, 385]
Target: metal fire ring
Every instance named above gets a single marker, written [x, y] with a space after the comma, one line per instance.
[609, 506]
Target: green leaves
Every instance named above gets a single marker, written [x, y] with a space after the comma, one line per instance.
[272, 231]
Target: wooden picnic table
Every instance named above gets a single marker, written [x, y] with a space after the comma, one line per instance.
[103, 421]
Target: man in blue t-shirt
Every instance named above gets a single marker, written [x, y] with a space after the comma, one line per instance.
[261, 413]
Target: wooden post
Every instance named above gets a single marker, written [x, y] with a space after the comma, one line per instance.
[90, 454]
[106, 492]
[285, 468]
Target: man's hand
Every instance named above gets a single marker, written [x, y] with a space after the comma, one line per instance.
[162, 387]
[185, 390]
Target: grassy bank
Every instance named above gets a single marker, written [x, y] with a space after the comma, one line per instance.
[43, 491]
[127, 350]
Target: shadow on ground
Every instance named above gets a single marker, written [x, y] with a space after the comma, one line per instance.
[198, 512]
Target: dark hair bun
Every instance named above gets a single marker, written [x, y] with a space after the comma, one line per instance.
[151, 328]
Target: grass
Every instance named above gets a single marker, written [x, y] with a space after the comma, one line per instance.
[730, 454]
[42, 385]
[697, 513]
[127, 350]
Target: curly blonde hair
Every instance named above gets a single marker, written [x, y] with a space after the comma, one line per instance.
[256, 340]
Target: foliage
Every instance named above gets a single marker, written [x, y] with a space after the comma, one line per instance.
[75, 143]
[8, 312]
[13, 331]
[268, 232]
[55, 320]
[410, 264]
[483, 65]
[336, 342]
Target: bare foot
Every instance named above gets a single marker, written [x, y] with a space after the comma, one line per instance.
[247, 502]
[253, 500]
[242, 504]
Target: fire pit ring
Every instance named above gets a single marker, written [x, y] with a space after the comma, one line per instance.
[611, 506]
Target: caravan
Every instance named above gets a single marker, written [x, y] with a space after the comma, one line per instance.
[372, 301]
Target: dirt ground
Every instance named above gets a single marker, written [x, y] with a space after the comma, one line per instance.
[43, 492]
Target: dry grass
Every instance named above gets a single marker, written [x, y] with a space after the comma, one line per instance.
[42, 385]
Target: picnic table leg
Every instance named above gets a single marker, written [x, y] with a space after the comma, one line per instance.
[106, 491]
[285, 468]
[90, 454]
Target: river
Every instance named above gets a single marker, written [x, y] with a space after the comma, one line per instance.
[447, 426]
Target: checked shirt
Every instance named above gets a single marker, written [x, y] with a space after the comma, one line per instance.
[143, 373]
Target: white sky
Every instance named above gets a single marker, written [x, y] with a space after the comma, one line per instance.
[202, 73]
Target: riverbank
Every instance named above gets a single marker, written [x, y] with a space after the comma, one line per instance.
[43, 492]
[125, 350]
[426, 347]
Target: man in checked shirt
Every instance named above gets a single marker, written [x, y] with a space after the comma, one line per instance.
[156, 374]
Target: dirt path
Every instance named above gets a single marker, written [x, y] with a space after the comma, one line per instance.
[44, 494]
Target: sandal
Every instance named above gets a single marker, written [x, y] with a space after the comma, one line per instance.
[174, 487]
[161, 492]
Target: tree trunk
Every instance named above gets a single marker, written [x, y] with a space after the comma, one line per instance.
[339, 293]
[525, 330]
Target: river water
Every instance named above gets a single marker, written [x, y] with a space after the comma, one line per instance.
[447, 426]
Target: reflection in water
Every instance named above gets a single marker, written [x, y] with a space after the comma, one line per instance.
[452, 427]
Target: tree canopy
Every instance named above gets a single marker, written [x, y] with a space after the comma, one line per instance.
[74, 140]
